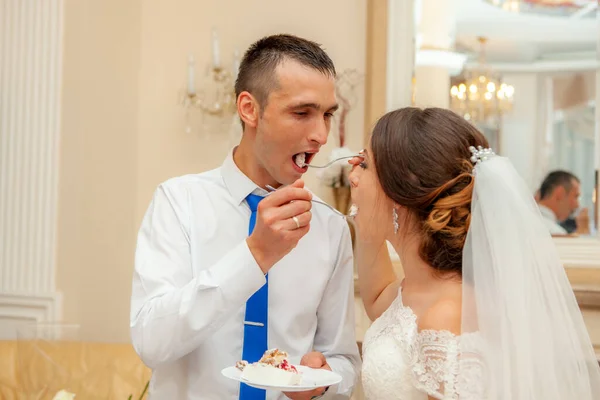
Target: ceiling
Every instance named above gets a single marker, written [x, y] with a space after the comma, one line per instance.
[531, 34]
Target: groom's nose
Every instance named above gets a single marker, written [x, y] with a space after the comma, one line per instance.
[319, 134]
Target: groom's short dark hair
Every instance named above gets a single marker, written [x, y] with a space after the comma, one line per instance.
[257, 68]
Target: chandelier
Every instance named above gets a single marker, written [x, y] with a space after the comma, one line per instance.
[479, 94]
[215, 97]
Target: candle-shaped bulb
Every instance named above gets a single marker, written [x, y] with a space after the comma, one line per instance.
[215, 49]
[191, 83]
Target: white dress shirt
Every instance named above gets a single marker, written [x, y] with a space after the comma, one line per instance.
[194, 273]
[551, 221]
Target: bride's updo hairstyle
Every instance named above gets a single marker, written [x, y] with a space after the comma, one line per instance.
[422, 160]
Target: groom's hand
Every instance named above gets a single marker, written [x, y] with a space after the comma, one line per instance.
[314, 360]
[283, 218]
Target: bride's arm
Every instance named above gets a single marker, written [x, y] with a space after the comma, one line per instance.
[377, 280]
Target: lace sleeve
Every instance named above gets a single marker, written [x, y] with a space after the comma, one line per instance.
[447, 366]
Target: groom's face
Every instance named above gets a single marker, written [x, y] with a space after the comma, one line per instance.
[295, 120]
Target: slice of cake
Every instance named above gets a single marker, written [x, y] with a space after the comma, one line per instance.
[273, 369]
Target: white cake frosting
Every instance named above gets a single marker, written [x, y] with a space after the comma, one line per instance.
[265, 374]
[273, 369]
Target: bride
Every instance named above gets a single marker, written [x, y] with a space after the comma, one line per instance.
[485, 310]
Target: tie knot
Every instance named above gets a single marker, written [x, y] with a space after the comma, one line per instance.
[253, 201]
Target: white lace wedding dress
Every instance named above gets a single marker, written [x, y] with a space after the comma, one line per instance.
[399, 362]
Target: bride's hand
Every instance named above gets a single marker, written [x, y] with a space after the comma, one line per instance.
[314, 360]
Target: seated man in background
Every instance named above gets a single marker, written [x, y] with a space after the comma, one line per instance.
[558, 200]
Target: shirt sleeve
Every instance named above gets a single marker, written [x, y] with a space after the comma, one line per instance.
[172, 309]
[335, 336]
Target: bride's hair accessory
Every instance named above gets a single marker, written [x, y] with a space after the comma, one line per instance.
[480, 154]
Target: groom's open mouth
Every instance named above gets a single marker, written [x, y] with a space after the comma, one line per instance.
[301, 160]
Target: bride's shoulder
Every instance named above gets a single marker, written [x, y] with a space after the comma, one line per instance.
[443, 315]
[441, 368]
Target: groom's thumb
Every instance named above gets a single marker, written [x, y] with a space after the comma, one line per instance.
[313, 360]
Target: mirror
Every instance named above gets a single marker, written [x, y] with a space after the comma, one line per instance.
[546, 52]
[541, 49]
[573, 127]
[542, 111]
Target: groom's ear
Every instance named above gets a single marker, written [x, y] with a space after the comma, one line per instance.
[248, 109]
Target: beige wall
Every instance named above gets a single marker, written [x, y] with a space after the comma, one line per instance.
[123, 131]
[98, 153]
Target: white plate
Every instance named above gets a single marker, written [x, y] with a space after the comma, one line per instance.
[311, 379]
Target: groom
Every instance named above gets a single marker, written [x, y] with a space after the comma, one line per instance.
[223, 273]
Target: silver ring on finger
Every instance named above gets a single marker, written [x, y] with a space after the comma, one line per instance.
[296, 221]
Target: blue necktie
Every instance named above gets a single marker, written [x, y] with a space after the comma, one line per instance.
[255, 321]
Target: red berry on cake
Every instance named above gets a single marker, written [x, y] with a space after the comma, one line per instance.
[272, 369]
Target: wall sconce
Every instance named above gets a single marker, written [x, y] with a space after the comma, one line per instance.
[215, 97]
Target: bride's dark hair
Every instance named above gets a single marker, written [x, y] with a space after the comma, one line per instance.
[422, 161]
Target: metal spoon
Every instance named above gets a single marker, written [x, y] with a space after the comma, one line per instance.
[272, 189]
[332, 162]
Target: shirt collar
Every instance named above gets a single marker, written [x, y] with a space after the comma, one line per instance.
[548, 213]
[238, 184]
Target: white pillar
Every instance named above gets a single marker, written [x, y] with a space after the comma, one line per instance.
[435, 61]
[400, 53]
[30, 110]
[432, 85]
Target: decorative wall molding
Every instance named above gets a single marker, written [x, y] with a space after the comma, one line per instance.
[31, 34]
[17, 309]
[582, 252]
[561, 66]
[575, 253]
[36, 307]
[452, 61]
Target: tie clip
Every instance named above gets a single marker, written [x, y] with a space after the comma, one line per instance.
[253, 323]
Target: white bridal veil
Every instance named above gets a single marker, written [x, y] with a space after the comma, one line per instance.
[523, 333]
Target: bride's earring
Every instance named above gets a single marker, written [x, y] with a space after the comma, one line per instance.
[395, 216]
